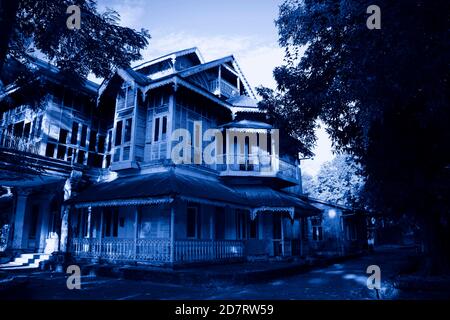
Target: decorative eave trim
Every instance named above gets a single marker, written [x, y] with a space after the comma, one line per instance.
[290, 210]
[202, 92]
[243, 78]
[247, 130]
[176, 80]
[124, 202]
[205, 66]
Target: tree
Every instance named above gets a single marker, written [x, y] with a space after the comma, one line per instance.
[383, 95]
[39, 26]
[98, 46]
[338, 181]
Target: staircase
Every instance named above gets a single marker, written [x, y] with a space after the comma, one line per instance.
[26, 261]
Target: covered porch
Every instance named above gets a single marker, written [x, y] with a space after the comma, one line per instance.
[170, 218]
[160, 232]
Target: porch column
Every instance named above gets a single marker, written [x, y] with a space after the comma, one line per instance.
[172, 234]
[212, 235]
[89, 217]
[136, 228]
[300, 234]
[19, 218]
[64, 228]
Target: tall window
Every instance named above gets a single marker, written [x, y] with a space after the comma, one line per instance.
[241, 224]
[111, 222]
[26, 130]
[164, 128]
[192, 222]
[93, 140]
[219, 224]
[18, 129]
[101, 144]
[83, 135]
[126, 98]
[254, 228]
[74, 136]
[156, 135]
[160, 129]
[118, 140]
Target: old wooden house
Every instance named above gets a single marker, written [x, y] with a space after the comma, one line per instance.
[170, 162]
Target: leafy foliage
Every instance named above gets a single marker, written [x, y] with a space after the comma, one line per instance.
[98, 46]
[339, 181]
[383, 95]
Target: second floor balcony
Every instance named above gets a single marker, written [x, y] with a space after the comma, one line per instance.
[257, 165]
[223, 88]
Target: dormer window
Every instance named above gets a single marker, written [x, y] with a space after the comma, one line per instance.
[126, 97]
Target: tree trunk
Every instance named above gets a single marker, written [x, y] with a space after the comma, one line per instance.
[436, 241]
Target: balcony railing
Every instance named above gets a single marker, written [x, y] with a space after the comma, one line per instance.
[157, 250]
[20, 144]
[224, 88]
[257, 165]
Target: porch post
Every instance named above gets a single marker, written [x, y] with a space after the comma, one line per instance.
[212, 235]
[89, 217]
[282, 235]
[19, 218]
[64, 228]
[101, 234]
[136, 221]
[300, 220]
[172, 234]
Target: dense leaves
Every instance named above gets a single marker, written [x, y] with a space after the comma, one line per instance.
[339, 181]
[383, 95]
[98, 46]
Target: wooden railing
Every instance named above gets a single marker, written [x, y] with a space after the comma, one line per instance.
[224, 88]
[254, 163]
[208, 250]
[157, 250]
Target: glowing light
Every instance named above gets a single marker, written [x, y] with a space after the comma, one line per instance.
[332, 213]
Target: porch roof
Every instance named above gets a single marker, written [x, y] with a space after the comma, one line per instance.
[262, 197]
[142, 189]
[156, 185]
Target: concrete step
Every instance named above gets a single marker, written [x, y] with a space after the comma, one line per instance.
[25, 261]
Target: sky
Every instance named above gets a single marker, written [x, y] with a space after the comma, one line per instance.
[244, 28]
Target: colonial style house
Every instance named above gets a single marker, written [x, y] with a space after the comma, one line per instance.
[167, 163]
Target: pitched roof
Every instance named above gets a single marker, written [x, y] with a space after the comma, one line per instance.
[173, 183]
[175, 54]
[167, 183]
[138, 77]
[243, 101]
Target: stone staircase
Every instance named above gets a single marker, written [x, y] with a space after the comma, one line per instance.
[26, 261]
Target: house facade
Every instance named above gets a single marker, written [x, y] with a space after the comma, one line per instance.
[167, 163]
